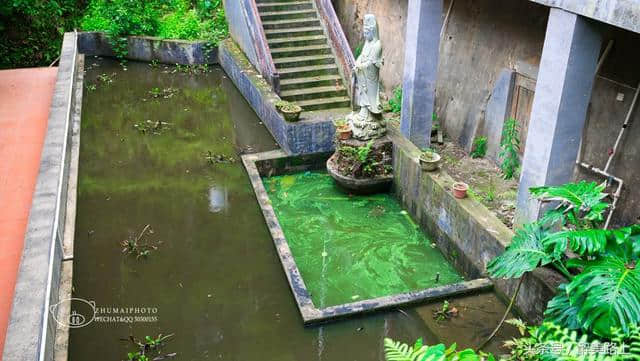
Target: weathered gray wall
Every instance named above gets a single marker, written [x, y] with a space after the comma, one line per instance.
[484, 38]
[391, 15]
[478, 43]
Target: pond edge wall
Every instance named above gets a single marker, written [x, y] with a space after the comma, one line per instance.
[148, 48]
[277, 162]
[31, 331]
[466, 231]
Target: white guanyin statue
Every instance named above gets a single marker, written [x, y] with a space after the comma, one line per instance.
[367, 123]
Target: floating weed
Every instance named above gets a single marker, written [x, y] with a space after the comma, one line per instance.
[191, 69]
[165, 93]
[445, 312]
[154, 127]
[106, 78]
[134, 245]
[213, 158]
[149, 346]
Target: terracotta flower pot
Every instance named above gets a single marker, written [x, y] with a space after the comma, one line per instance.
[460, 190]
[344, 133]
[430, 164]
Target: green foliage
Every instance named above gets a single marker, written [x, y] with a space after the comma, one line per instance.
[479, 147]
[510, 146]
[31, 30]
[395, 103]
[605, 294]
[582, 199]
[172, 19]
[398, 351]
[550, 342]
[525, 253]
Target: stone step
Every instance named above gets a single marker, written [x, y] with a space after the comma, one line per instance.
[310, 82]
[314, 93]
[324, 103]
[298, 61]
[289, 14]
[275, 1]
[284, 5]
[300, 51]
[291, 23]
[297, 41]
[293, 32]
[308, 71]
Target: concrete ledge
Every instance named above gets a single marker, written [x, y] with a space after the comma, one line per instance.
[32, 329]
[312, 134]
[621, 13]
[276, 163]
[468, 233]
[147, 48]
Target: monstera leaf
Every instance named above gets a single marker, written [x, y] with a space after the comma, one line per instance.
[525, 253]
[398, 351]
[591, 241]
[583, 196]
[606, 294]
[560, 311]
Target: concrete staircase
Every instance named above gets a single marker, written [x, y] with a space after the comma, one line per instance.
[308, 71]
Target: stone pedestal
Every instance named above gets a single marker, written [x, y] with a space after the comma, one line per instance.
[372, 127]
[372, 176]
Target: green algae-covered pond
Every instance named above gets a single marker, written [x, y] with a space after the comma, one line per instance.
[350, 248]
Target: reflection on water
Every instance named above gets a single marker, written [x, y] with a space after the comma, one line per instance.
[218, 199]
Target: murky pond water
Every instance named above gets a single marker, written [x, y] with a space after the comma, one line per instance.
[352, 248]
[215, 280]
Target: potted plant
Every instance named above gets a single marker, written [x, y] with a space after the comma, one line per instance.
[343, 129]
[429, 160]
[290, 111]
[460, 190]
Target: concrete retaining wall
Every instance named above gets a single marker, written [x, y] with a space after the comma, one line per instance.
[32, 328]
[146, 48]
[306, 136]
[468, 233]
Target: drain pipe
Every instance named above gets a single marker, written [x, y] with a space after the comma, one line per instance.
[605, 172]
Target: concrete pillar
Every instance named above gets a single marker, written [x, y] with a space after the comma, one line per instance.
[422, 46]
[563, 90]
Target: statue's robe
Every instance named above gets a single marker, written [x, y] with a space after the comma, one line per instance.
[368, 77]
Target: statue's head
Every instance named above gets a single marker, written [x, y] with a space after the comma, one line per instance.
[370, 27]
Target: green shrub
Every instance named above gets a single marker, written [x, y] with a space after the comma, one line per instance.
[603, 291]
[395, 103]
[510, 145]
[174, 19]
[31, 30]
[479, 147]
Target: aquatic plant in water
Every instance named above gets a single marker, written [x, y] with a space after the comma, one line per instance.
[148, 346]
[133, 246]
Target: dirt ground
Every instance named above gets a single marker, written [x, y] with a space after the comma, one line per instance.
[484, 178]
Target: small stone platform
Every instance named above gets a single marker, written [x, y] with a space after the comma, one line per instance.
[349, 176]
